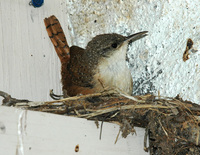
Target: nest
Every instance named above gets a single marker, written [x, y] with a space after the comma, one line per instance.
[172, 125]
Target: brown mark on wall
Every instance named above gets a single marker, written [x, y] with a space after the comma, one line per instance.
[188, 47]
[77, 148]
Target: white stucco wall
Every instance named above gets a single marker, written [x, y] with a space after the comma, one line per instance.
[156, 60]
[30, 68]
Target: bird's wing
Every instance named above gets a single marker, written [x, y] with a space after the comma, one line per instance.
[80, 76]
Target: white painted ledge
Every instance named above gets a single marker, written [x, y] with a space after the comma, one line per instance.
[29, 133]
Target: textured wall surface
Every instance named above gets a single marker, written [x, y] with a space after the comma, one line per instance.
[156, 61]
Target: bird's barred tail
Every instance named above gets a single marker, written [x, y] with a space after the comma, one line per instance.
[58, 38]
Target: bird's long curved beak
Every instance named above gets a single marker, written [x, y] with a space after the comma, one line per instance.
[136, 36]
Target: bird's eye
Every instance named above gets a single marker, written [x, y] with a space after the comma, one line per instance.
[114, 45]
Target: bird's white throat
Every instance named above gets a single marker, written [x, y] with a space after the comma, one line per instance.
[115, 71]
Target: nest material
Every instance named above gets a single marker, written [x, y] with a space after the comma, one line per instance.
[171, 124]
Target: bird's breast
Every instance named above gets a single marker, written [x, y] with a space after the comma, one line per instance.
[113, 72]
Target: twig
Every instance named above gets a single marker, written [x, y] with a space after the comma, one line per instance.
[145, 139]
[117, 136]
[9, 101]
[35, 104]
[128, 96]
[101, 128]
[163, 128]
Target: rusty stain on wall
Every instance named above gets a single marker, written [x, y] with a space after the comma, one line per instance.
[188, 47]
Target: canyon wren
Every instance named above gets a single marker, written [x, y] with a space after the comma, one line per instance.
[102, 64]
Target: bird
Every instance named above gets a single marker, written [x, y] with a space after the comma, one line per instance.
[102, 64]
